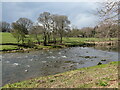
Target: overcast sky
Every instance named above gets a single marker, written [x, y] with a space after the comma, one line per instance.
[79, 13]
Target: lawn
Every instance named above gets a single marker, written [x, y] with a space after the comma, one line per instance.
[100, 76]
[77, 39]
[68, 41]
[8, 47]
[7, 38]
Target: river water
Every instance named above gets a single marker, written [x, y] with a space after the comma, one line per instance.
[23, 66]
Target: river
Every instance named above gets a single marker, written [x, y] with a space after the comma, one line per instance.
[23, 66]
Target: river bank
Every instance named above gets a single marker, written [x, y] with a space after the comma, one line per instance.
[57, 46]
[41, 47]
[100, 76]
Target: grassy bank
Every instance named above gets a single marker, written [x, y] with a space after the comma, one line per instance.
[67, 42]
[100, 76]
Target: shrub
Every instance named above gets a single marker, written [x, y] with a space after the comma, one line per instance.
[103, 83]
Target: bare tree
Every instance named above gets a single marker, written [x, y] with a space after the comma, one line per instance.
[4, 27]
[62, 24]
[20, 28]
[108, 13]
[59, 26]
[25, 24]
[44, 19]
[36, 31]
[54, 20]
[17, 32]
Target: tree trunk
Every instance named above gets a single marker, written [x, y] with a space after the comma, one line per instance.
[54, 40]
[48, 37]
[45, 39]
[109, 29]
[61, 38]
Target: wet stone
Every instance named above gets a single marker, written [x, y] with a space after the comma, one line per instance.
[99, 63]
[103, 60]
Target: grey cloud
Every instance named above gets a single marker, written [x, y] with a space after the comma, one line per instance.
[77, 12]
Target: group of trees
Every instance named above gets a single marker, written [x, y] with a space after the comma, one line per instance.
[49, 26]
[108, 25]
[86, 32]
[101, 31]
[53, 26]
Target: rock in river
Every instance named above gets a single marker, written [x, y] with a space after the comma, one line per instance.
[99, 63]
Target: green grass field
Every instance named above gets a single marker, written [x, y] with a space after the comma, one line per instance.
[100, 76]
[76, 39]
[8, 47]
[8, 38]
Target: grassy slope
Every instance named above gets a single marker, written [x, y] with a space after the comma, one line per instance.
[7, 38]
[100, 76]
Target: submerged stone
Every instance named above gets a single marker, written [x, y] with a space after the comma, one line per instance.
[103, 60]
